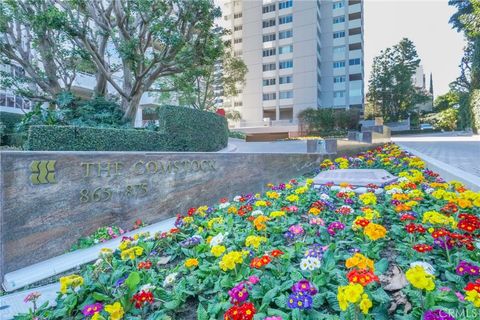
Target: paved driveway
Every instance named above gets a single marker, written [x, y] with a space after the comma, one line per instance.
[457, 151]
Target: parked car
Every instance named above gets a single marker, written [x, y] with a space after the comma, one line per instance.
[426, 126]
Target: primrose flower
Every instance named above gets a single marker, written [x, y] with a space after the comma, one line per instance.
[170, 279]
[420, 278]
[217, 240]
[375, 231]
[141, 298]
[115, 310]
[238, 294]
[336, 225]
[437, 315]
[254, 241]
[71, 281]
[217, 251]
[351, 293]
[231, 259]
[131, 253]
[90, 309]
[260, 221]
[244, 312]
[368, 198]
[191, 263]
[310, 263]
[33, 296]
[465, 267]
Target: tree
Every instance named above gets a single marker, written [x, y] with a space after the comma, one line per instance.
[196, 89]
[132, 43]
[391, 90]
[446, 101]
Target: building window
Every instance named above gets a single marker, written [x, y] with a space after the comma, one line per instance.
[285, 34]
[286, 94]
[270, 96]
[285, 64]
[338, 5]
[355, 77]
[338, 34]
[338, 64]
[285, 19]
[237, 15]
[269, 52]
[237, 40]
[269, 8]
[339, 79]
[226, 18]
[285, 49]
[339, 50]
[286, 113]
[339, 94]
[269, 37]
[339, 19]
[269, 82]
[237, 53]
[237, 104]
[269, 67]
[238, 28]
[285, 79]
[355, 92]
[354, 62]
[268, 23]
[285, 4]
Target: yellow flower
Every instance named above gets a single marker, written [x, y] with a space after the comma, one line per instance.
[276, 214]
[365, 304]
[97, 316]
[272, 195]
[288, 186]
[106, 252]
[213, 221]
[124, 244]
[202, 211]
[217, 251]
[191, 263]
[314, 211]
[301, 190]
[292, 198]
[368, 198]
[259, 222]
[360, 261]
[187, 220]
[420, 279]
[434, 217]
[350, 293]
[231, 259]
[474, 297]
[115, 310]
[131, 253]
[254, 241]
[71, 281]
[375, 231]
[260, 203]
[232, 209]
[371, 214]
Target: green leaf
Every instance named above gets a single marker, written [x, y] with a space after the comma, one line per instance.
[380, 296]
[268, 297]
[202, 313]
[132, 281]
[381, 266]
[100, 296]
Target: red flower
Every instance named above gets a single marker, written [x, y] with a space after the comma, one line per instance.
[407, 216]
[440, 233]
[276, 253]
[223, 200]
[362, 222]
[144, 265]
[191, 211]
[257, 263]
[244, 312]
[362, 277]
[421, 247]
[141, 298]
[410, 228]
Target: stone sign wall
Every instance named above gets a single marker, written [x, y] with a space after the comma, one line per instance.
[50, 199]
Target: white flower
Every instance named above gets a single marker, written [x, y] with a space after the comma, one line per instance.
[426, 266]
[310, 263]
[149, 287]
[429, 190]
[237, 198]
[257, 213]
[324, 196]
[402, 179]
[170, 279]
[394, 190]
[218, 239]
[224, 205]
[346, 189]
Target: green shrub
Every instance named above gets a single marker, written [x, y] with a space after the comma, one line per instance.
[192, 130]
[69, 138]
[8, 122]
[237, 135]
[181, 129]
[318, 121]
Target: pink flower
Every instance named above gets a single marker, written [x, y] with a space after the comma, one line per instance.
[446, 289]
[317, 221]
[273, 318]
[33, 296]
[460, 296]
[296, 229]
[253, 279]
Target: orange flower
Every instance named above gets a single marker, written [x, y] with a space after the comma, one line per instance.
[375, 231]
[259, 222]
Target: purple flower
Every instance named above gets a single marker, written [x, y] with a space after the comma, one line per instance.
[191, 242]
[348, 201]
[437, 315]
[299, 300]
[120, 281]
[336, 225]
[316, 251]
[304, 286]
[465, 267]
[91, 309]
[238, 294]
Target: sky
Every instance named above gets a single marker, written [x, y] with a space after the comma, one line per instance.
[425, 22]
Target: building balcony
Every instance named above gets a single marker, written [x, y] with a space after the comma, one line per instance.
[338, 71]
[355, 69]
[355, 38]
[338, 26]
[339, 86]
[355, 23]
[338, 12]
[355, 8]
[339, 41]
[355, 54]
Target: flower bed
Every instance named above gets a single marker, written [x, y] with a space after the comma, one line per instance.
[296, 252]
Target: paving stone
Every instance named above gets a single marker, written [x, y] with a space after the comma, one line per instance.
[355, 177]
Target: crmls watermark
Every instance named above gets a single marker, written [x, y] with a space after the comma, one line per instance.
[463, 314]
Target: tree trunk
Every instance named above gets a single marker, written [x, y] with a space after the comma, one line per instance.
[131, 107]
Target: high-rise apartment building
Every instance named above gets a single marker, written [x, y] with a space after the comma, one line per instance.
[300, 54]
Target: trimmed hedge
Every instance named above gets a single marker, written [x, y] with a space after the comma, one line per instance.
[9, 121]
[192, 130]
[181, 129]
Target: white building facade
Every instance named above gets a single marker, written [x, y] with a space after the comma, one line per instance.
[300, 54]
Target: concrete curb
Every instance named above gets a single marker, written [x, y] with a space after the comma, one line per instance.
[445, 170]
[22, 277]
